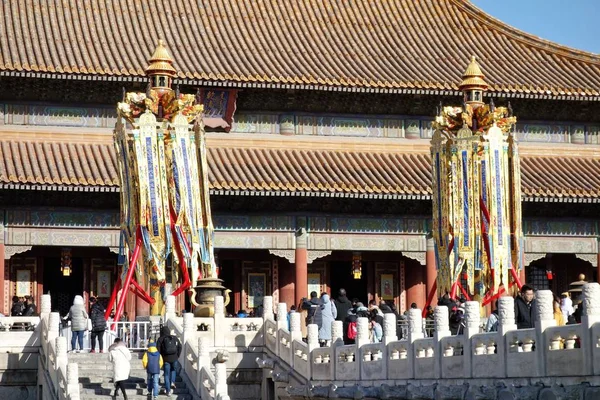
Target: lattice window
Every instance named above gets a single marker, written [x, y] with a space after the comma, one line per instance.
[537, 278]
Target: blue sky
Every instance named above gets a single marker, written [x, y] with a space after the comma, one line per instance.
[573, 23]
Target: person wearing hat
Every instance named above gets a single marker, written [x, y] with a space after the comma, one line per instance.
[152, 362]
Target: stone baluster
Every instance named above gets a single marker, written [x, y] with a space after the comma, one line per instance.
[506, 315]
[221, 391]
[189, 332]
[268, 308]
[296, 326]
[590, 315]
[337, 333]
[544, 319]
[219, 322]
[545, 310]
[312, 337]
[45, 305]
[282, 316]
[389, 328]
[61, 353]
[169, 309]
[472, 322]
[506, 323]
[441, 320]
[72, 378]
[204, 360]
[362, 331]
[415, 324]
[219, 306]
[53, 328]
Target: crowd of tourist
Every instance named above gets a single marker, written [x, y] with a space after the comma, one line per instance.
[322, 311]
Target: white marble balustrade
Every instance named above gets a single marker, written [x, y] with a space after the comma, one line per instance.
[546, 350]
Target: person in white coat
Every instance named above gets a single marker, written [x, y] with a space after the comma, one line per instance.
[120, 356]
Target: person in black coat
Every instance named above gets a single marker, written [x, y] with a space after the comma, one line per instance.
[343, 305]
[30, 308]
[98, 325]
[170, 348]
[525, 308]
[312, 306]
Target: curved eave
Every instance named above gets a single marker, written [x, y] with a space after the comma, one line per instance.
[262, 193]
[508, 93]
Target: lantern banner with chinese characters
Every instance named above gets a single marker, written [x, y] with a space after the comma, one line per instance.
[476, 193]
[161, 153]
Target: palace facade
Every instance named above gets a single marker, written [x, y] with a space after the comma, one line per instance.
[319, 117]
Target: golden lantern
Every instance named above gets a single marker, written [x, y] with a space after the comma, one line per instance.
[356, 265]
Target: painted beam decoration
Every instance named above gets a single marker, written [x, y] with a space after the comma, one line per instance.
[476, 194]
[161, 151]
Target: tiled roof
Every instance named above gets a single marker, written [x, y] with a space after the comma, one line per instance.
[376, 45]
[359, 171]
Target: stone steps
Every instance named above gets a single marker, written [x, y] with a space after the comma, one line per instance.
[95, 379]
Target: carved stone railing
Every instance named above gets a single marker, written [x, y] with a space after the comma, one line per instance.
[59, 379]
[544, 351]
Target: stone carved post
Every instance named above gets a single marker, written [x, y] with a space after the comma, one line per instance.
[189, 333]
[219, 306]
[204, 353]
[52, 333]
[389, 328]
[362, 332]
[295, 326]
[61, 353]
[282, 316]
[220, 324]
[545, 309]
[268, 308]
[544, 319]
[415, 324]
[506, 315]
[506, 323]
[590, 315]
[312, 337]
[72, 378]
[337, 333]
[472, 322]
[221, 374]
[46, 304]
[441, 320]
[204, 360]
[169, 309]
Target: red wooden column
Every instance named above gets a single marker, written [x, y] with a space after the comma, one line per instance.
[415, 284]
[430, 270]
[301, 266]
[287, 285]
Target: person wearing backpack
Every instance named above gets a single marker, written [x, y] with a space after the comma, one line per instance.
[98, 325]
[170, 350]
[152, 363]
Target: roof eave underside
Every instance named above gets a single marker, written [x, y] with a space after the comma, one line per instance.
[327, 88]
[263, 193]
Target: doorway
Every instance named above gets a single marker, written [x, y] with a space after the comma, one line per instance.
[341, 277]
[62, 289]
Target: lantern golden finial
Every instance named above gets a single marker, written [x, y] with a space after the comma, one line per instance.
[473, 84]
[161, 71]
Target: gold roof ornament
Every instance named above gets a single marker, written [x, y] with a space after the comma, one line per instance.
[473, 77]
[161, 62]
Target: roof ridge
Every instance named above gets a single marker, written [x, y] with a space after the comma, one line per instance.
[525, 37]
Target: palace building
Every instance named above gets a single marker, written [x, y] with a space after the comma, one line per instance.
[319, 116]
